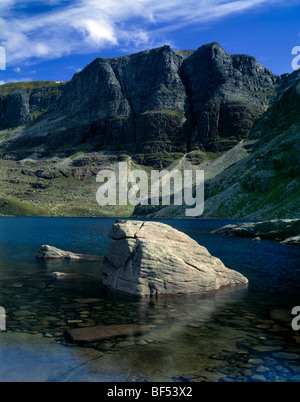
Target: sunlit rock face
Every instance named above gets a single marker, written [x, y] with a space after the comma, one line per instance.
[153, 259]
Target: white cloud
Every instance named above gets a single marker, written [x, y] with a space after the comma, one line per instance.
[84, 26]
[2, 82]
[96, 32]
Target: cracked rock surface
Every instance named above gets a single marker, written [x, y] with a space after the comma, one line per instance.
[152, 259]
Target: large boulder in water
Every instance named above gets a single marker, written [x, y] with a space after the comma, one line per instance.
[152, 259]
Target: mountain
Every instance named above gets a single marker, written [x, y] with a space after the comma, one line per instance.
[155, 109]
[260, 177]
[155, 104]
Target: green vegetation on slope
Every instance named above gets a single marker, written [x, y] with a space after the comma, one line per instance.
[7, 89]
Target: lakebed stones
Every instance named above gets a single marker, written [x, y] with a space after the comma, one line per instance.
[282, 316]
[46, 252]
[288, 229]
[153, 259]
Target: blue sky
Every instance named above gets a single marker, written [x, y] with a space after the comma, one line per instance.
[51, 40]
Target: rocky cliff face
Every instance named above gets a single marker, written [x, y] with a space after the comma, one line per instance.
[227, 95]
[157, 105]
[22, 103]
[258, 178]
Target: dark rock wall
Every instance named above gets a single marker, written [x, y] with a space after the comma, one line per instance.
[155, 101]
[24, 105]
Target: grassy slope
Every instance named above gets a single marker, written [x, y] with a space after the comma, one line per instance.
[259, 184]
[251, 191]
[23, 193]
[259, 178]
[6, 89]
[266, 184]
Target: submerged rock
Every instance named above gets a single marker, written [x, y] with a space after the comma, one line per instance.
[283, 316]
[46, 252]
[152, 259]
[63, 275]
[273, 229]
[101, 332]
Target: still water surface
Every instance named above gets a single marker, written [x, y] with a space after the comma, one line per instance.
[226, 336]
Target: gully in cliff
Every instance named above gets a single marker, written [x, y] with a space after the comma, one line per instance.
[160, 183]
